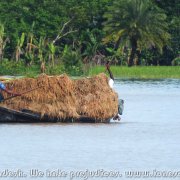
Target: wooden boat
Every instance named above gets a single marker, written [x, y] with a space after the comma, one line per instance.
[60, 97]
[25, 116]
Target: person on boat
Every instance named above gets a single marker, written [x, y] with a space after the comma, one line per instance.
[111, 84]
[3, 88]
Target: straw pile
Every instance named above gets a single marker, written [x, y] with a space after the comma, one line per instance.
[63, 98]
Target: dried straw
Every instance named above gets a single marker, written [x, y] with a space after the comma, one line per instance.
[63, 98]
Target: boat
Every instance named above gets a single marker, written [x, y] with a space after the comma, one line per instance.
[60, 99]
[8, 115]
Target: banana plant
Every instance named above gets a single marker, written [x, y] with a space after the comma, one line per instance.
[52, 50]
[3, 41]
[19, 50]
[30, 44]
[41, 48]
[30, 39]
[91, 44]
[117, 56]
[30, 47]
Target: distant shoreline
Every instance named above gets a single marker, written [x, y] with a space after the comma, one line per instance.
[136, 72]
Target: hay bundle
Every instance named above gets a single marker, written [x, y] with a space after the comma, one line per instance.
[94, 97]
[63, 98]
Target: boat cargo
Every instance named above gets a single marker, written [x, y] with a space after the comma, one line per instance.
[60, 99]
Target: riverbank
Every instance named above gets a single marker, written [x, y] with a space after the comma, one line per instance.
[143, 72]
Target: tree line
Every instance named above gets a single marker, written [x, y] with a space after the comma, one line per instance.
[75, 32]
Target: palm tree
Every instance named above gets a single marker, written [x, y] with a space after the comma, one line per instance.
[139, 23]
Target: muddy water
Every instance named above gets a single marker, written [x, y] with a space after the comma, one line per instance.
[146, 139]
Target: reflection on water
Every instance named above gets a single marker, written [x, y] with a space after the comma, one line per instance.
[146, 138]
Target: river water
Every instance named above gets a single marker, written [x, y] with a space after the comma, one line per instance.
[146, 139]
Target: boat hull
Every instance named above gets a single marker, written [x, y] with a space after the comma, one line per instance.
[12, 116]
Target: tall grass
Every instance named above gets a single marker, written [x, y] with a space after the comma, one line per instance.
[140, 71]
[146, 72]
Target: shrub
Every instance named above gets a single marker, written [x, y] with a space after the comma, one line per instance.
[11, 67]
[176, 62]
[72, 62]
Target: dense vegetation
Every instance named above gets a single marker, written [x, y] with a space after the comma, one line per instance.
[69, 35]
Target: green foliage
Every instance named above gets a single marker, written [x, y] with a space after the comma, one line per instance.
[72, 62]
[52, 50]
[172, 11]
[41, 45]
[11, 67]
[19, 68]
[91, 43]
[29, 57]
[58, 69]
[20, 42]
[117, 56]
[176, 61]
[28, 30]
[144, 72]
[139, 22]
[3, 41]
